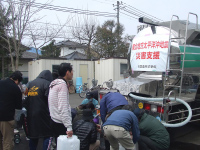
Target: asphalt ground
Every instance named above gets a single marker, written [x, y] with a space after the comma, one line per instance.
[185, 138]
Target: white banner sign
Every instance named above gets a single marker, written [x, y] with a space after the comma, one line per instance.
[149, 51]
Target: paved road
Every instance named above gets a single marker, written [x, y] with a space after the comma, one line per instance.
[186, 138]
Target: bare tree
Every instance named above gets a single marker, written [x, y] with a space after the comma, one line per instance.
[20, 15]
[41, 35]
[84, 31]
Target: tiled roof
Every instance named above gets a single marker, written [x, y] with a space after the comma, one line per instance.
[29, 55]
[69, 43]
[75, 55]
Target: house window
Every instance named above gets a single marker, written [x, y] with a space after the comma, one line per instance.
[73, 48]
[123, 68]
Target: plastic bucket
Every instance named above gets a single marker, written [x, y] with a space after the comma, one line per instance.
[78, 84]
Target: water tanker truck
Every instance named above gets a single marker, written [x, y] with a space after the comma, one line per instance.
[165, 71]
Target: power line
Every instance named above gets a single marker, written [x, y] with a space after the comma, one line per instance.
[56, 25]
[128, 15]
[141, 12]
[47, 23]
[131, 12]
[66, 9]
[43, 36]
[137, 14]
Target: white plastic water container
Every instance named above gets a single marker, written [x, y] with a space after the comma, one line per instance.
[64, 143]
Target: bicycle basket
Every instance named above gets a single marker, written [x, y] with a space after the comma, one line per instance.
[94, 82]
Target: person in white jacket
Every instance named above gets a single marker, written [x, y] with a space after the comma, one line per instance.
[59, 107]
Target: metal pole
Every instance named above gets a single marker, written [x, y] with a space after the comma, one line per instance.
[118, 26]
[118, 14]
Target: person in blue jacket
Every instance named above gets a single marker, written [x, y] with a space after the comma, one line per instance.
[110, 102]
[117, 129]
[90, 98]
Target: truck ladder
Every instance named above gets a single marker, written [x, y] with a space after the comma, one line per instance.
[181, 53]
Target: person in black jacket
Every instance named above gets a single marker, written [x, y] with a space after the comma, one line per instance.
[38, 116]
[10, 99]
[77, 113]
[86, 131]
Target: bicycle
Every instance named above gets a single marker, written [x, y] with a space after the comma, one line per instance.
[109, 84]
[85, 89]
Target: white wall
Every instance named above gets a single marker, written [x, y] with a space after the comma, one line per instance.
[116, 66]
[103, 70]
[106, 69]
[35, 67]
[23, 67]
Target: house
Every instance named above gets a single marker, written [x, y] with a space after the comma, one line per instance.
[70, 48]
[25, 57]
[23, 64]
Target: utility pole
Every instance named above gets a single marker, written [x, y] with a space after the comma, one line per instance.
[117, 24]
[118, 14]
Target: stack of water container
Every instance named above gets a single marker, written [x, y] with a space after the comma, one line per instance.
[78, 84]
[72, 143]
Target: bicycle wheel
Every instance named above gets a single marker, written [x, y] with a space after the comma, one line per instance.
[82, 94]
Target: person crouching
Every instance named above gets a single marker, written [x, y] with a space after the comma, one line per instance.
[85, 130]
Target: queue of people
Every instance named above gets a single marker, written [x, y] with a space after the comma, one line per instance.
[49, 114]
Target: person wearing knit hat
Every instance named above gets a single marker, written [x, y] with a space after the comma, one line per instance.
[90, 98]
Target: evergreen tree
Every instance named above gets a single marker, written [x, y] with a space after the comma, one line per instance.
[51, 50]
[108, 40]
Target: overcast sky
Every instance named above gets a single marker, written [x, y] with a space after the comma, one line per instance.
[161, 9]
